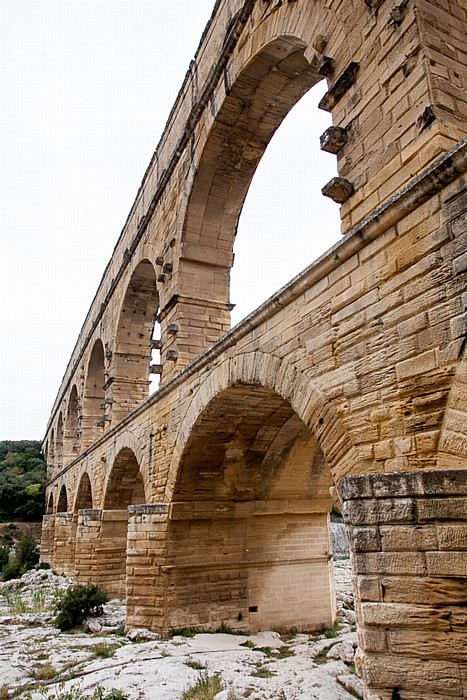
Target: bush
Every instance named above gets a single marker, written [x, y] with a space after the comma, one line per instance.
[78, 603]
[4, 556]
[25, 557]
[11, 570]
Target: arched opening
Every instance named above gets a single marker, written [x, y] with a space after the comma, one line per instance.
[71, 445]
[93, 420]
[134, 343]
[285, 223]
[62, 503]
[84, 494]
[124, 487]
[255, 106]
[59, 443]
[50, 505]
[51, 454]
[251, 510]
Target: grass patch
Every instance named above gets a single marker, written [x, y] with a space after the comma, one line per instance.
[267, 651]
[262, 672]
[192, 663]
[289, 635]
[321, 657]
[4, 691]
[44, 672]
[284, 653]
[331, 630]
[205, 688]
[186, 632]
[14, 602]
[104, 650]
[248, 644]
[75, 692]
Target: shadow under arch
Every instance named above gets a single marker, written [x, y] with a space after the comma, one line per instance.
[72, 435]
[62, 503]
[50, 504]
[133, 346]
[59, 443]
[285, 380]
[84, 494]
[250, 504]
[264, 92]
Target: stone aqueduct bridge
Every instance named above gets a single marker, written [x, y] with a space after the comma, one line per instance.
[208, 502]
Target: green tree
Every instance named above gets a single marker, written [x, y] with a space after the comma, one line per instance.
[22, 479]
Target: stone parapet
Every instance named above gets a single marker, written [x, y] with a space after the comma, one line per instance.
[408, 540]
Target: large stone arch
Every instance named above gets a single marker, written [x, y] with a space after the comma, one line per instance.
[50, 504]
[58, 452]
[133, 342]
[124, 484]
[279, 375]
[250, 491]
[72, 434]
[93, 421]
[83, 497]
[263, 91]
[124, 487]
[62, 501]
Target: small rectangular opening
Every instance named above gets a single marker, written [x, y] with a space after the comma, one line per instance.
[253, 608]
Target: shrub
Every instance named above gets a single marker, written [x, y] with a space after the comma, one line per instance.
[4, 556]
[78, 603]
[11, 570]
[25, 557]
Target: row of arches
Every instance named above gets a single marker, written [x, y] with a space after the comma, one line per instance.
[124, 487]
[116, 376]
[248, 508]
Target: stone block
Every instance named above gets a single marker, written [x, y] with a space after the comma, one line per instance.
[447, 564]
[388, 563]
[402, 615]
[406, 538]
[374, 512]
[430, 509]
[364, 539]
[368, 588]
[427, 590]
[452, 536]
[425, 677]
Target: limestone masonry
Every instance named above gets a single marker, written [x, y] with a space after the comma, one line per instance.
[208, 502]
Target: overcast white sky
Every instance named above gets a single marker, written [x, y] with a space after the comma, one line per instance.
[85, 90]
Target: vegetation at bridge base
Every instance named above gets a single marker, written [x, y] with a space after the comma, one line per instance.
[19, 557]
[78, 603]
[22, 479]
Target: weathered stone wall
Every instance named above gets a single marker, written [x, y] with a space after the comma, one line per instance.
[206, 500]
[408, 538]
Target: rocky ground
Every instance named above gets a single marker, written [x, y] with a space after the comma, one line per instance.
[37, 659]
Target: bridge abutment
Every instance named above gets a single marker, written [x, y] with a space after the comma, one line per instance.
[408, 539]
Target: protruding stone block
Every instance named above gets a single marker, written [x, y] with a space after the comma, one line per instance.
[338, 189]
[333, 139]
[343, 83]
[325, 66]
[320, 43]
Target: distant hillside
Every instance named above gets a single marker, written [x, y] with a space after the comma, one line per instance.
[22, 479]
